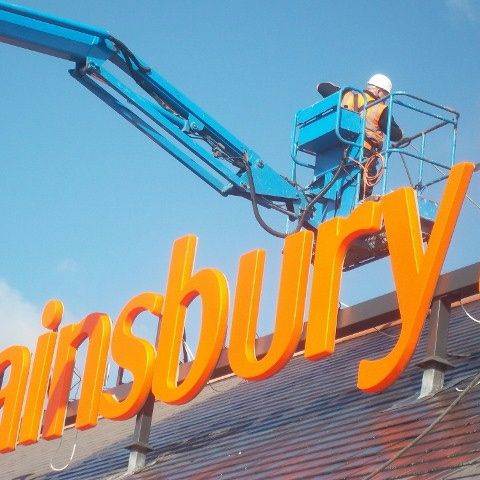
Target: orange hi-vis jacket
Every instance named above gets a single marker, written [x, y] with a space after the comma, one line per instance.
[373, 131]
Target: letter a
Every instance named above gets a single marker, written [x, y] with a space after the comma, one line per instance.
[12, 394]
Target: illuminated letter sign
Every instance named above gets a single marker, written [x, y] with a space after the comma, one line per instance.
[156, 368]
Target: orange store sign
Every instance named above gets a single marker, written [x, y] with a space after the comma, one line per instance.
[48, 373]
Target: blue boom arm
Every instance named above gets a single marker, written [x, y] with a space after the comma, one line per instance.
[193, 137]
[330, 136]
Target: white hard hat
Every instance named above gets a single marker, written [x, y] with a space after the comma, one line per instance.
[381, 81]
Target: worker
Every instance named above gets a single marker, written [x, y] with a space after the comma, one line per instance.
[378, 86]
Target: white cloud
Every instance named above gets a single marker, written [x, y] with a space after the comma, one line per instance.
[463, 9]
[20, 321]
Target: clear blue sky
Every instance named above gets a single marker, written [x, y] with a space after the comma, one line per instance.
[90, 207]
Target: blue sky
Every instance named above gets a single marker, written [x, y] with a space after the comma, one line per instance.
[90, 207]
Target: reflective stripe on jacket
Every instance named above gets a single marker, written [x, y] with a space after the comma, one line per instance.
[373, 132]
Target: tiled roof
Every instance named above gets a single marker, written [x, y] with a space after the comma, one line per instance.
[308, 421]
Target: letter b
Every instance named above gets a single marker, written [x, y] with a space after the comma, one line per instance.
[182, 288]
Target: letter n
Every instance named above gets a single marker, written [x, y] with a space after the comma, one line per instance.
[96, 327]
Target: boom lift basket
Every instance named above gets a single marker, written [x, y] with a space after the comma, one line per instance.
[331, 133]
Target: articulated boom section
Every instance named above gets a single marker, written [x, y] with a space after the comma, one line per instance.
[332, 135]
[194, 138]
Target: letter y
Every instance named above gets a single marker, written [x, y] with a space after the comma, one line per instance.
[415, 271]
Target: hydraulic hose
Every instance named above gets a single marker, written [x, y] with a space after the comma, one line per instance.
[129, 56]
[319, 195]
[303, 217]
[131, 59]
[256, 211]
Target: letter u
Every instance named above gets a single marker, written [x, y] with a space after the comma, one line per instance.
[290, 309]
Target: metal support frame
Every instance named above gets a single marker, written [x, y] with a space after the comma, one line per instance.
[139, 448]
[436, 362]
[119, 379]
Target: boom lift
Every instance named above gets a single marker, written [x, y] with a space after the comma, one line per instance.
[333, 136]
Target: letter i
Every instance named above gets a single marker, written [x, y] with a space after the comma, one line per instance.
[40, 374]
